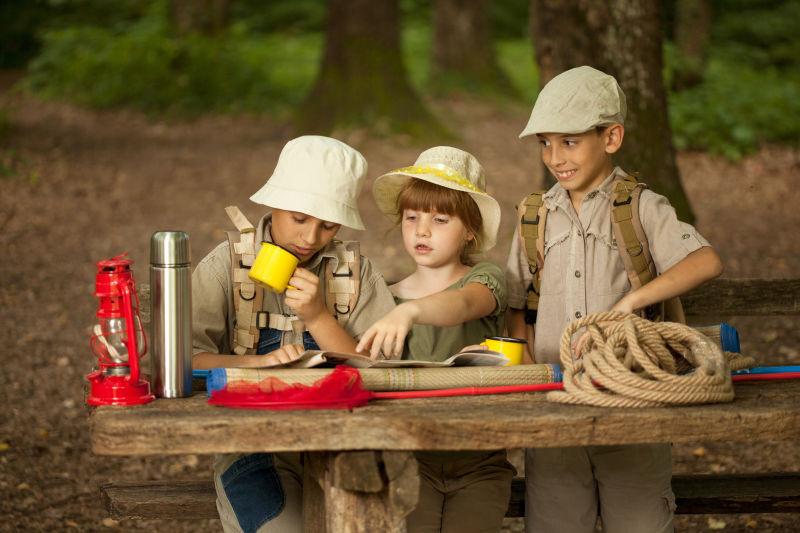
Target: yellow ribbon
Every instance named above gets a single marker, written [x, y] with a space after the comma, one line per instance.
[441, 171]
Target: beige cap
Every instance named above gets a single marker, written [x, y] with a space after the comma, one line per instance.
[318, 176]
[447, 167]
[575, 101]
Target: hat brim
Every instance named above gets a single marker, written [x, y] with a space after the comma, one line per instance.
[387, 188]
[309, 203]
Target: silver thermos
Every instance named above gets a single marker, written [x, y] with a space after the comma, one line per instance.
[171, 314]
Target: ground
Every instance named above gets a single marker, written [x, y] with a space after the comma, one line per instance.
[87, 185]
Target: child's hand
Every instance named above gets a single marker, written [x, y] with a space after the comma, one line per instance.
[473, 348]
[388, 334]
[625, 305]
[304, 296]
[577, 346]
[284, 355]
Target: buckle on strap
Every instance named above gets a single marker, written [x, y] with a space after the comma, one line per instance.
[247, 299]
[624, 202]
[339, 311]
[262, 319]
[347, 275]
[534, 221]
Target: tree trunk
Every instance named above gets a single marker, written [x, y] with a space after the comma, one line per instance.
[463, 55]
[692, 34]
[362, 81]
[207, 17]
[622, 38]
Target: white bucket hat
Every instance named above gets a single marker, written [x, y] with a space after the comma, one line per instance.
[318, 176]
[576, 101]
[447, 167]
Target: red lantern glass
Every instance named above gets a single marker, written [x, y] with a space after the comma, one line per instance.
[118, 340]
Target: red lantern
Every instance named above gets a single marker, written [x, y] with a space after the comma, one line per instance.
[118, 339]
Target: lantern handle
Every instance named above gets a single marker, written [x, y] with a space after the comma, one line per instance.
[130, 342]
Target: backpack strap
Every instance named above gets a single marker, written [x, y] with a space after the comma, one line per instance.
[531, 228]
[343, 279]
[247, 296]
[634, 248]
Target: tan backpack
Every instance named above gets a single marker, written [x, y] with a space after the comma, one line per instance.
[634, 249]
[342, 282]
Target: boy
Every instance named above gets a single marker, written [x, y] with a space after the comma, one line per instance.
[579, 119]
[312, 193]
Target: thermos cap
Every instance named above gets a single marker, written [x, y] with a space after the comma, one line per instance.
[170, 248]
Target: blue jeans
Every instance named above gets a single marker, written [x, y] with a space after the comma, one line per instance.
[251, 483]
[269, 340]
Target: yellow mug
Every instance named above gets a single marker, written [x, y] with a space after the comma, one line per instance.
[273, 267]
[510, 347]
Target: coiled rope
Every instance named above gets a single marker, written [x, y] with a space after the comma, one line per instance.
[632, 362]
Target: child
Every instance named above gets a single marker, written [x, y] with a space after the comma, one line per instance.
[578, 119]
[312, 193]
[445, 216]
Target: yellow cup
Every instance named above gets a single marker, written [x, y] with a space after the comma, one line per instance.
[510, 347]
[273, 267]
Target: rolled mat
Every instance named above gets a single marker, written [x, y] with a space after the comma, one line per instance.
[398, 379]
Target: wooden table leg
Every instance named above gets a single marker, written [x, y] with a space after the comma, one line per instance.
[359, 492]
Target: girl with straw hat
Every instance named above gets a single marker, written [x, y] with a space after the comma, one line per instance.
[447, 303]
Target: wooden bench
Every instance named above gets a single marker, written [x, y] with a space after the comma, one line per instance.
[696, 494]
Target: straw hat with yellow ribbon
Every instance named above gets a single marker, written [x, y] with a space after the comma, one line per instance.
[447, 167]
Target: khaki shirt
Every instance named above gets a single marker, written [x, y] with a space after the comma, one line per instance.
[437, 343]
[583, 272]
[213, 311]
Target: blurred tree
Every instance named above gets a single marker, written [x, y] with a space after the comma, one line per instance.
[207, 17]
[624, 39]
[362, 81]
[463, 55]
[692, 36]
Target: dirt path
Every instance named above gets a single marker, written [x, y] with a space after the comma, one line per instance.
[104, 182]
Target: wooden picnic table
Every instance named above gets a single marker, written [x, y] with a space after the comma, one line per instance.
[360, 474]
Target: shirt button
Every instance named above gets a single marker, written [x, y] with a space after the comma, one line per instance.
[578, 314]
[685, 236]
[577, 273]
[592, 194]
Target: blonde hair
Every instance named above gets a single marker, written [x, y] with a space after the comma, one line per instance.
[421, 195]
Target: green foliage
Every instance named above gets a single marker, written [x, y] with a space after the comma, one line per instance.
[146, 67]
[516, 59]
[737, 108]
[280, 16]
[22, 21]
[750, 91]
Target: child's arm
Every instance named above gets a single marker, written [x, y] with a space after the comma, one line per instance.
[517, 328]
[696, 268]
[445, 308]
[284, 354]
[306, 300]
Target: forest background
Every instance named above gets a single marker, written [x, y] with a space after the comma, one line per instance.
[121, 118]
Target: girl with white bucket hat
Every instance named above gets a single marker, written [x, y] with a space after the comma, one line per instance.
[447, 303]
[334, 295]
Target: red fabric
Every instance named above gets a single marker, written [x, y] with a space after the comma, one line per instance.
[341, 389]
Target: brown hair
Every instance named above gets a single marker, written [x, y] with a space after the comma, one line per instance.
[421, 195]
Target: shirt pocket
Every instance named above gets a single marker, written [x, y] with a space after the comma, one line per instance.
[556, 255]
[606, 271]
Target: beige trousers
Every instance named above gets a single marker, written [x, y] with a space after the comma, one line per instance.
[630, 485]
[267, 493]
[461, 492]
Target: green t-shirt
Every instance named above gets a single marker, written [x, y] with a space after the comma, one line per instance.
[434, 343]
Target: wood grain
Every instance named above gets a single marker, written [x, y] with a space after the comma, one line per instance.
[694, 494]
[764, 411]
